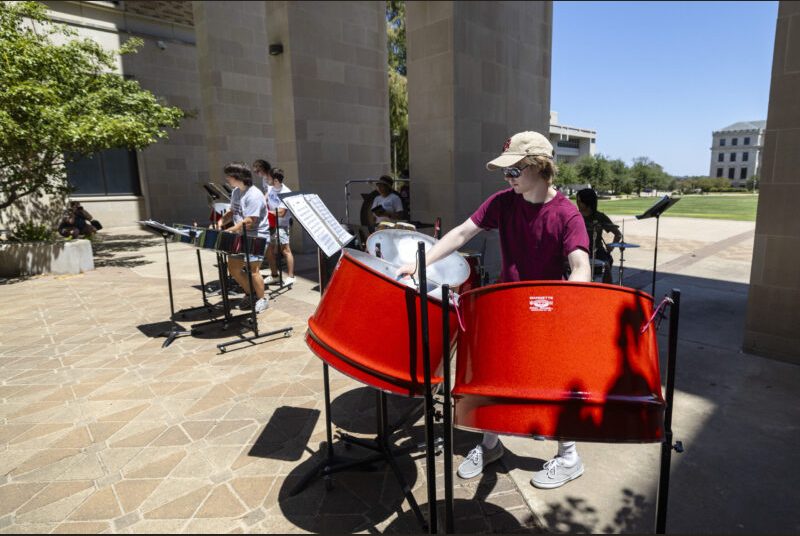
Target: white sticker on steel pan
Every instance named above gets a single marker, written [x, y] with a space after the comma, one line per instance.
[541, 304]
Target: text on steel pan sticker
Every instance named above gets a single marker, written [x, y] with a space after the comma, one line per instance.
[541, 304]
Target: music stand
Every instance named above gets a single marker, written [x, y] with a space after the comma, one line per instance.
[166, 232]
[215, 192]
[656, 211]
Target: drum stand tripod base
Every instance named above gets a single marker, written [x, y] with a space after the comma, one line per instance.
[383, 450]
[174, 332]
[287, 332]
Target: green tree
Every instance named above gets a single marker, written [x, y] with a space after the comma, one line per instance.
[566, 175]
[59, 102]
[594, 170]
[398, 87]
[619, 179]
[647, 174]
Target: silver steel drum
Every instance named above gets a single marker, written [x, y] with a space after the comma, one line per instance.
[399, 247]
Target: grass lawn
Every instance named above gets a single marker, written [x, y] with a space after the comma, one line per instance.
[718, 207]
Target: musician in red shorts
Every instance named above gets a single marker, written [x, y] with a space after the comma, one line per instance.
[541, 232]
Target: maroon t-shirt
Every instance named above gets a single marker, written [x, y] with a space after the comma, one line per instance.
[535, 238]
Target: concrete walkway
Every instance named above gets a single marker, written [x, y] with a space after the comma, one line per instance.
[102, 430]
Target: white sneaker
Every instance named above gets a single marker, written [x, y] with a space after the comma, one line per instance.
[262, 304]
[473, 464]
[555, 473]
[288, 280]
[270, 279]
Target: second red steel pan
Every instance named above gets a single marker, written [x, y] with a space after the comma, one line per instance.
[367, 326]
[559, 360]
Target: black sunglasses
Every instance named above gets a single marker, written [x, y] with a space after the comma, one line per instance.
[513, 172]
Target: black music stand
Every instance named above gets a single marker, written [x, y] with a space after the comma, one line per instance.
[380, 444]
[176, 330]
[656, 211]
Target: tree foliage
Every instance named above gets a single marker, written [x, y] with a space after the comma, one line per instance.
[647, 174]
[398, 87]
[59, 102]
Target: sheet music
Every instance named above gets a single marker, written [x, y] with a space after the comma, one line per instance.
[319, 207]
[161, 227]
[299, 206]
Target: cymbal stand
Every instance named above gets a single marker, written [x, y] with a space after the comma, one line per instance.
[175, 330]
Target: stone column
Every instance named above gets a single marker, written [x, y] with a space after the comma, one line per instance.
[773, 309]
[331, 96]
[235, 88]
[478, 72]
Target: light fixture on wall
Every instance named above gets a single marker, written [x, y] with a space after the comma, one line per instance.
[276, 49]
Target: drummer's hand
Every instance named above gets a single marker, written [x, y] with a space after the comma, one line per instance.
[405, 270]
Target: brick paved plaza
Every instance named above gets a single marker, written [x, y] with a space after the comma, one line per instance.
[103, 430]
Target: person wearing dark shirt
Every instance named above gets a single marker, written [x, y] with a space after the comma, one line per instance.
[540, 231]
[596, 224]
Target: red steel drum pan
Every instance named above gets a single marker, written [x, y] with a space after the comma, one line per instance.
[368, 325]
[560, 360]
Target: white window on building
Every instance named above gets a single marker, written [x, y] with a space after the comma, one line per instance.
[722, 142]
[745, 156]
[746, 141]
[743, 173]
[721, 157]
[731, 173]
[733, 157]
[719, 172]
[735, 141]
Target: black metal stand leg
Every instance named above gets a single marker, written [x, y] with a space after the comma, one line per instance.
[448, 414]
[667, 446]
[655, 259]
[287, 331]
[429, 409]
[175, 330]
[206, 304]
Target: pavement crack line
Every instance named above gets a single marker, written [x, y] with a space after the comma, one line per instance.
[675, 265]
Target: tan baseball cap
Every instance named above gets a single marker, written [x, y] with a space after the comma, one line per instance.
[519, 146]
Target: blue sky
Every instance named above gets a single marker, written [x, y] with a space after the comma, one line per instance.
[656, 78]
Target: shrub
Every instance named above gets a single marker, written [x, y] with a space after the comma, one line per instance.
[33, 232]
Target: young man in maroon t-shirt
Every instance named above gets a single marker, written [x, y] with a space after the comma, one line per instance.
[540, 231]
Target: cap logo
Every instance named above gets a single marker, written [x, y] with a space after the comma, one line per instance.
[506, 145]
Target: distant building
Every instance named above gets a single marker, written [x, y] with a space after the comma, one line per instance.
[570, 143]
[736, 151]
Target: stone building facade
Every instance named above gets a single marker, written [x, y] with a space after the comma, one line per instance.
[736, 151]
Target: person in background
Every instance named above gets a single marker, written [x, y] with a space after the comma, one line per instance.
[261, 169]
[76, 222]
[387, 205]
[596, 224]
[280, 232]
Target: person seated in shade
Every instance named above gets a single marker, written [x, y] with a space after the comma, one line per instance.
[596, 224]
[76, 222]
